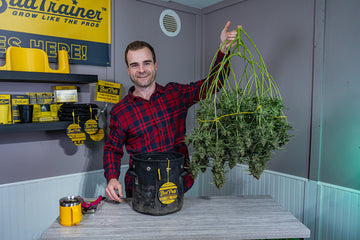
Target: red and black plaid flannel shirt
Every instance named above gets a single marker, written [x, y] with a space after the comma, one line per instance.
[146, 126]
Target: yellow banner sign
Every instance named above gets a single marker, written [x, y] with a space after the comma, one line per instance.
[82, 27]
[76, 19]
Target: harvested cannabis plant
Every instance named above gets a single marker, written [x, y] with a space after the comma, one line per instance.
[243, 121]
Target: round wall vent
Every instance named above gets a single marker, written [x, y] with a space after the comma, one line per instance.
[170, 23]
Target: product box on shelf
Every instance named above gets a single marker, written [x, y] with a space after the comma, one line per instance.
[44, 98]
[63, 94]
[46, 112]
[5, 109]
[32, 97]
[18, 99]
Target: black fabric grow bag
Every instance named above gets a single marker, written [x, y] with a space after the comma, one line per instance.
[158, 184]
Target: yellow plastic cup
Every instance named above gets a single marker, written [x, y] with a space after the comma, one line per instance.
[70, 211]
[4, 114]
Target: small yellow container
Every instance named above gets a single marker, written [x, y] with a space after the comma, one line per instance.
[70, 211]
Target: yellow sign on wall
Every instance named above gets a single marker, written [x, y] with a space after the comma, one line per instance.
[108, 92]
[82, 27]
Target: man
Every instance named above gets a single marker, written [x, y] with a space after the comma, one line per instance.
[151, 117]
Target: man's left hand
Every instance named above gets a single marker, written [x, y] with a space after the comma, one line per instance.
[227, 36]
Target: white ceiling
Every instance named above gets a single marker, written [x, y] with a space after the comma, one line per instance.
[195, 3]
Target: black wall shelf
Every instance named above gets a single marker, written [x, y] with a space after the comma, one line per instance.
[33, 127]
[41, 77]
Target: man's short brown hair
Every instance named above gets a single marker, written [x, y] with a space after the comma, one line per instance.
[136, 45]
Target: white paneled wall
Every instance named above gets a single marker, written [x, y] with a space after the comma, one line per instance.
[339, 213]
[331, 212]
[28, 208]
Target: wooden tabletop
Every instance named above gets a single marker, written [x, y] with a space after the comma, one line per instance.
[219, 217]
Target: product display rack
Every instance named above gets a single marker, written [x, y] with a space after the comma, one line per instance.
[40, 77]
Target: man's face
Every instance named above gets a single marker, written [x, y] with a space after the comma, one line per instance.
[141, 68]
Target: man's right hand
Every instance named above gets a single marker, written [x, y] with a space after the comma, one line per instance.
[113, 186]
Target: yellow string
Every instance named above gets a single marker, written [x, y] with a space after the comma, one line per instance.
[90, 111]
[232, 114]
[73, 115]
[278, 116]
[168, 170]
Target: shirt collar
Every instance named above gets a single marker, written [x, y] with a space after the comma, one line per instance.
[159, 89]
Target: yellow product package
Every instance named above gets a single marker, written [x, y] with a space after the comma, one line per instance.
[5, 109]
[18, 99]
[64, 94]
[44, 98]
[46, 113]
[32, 97]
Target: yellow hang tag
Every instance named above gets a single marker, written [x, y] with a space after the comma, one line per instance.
[75, 133]
[91, 126]
[99, 135]
[168, 192]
